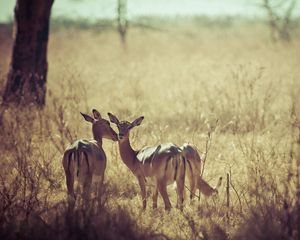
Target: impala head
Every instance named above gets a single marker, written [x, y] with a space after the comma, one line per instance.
[124, 126]
[101, 127]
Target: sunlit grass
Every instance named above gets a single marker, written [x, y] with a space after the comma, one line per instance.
[183, 82]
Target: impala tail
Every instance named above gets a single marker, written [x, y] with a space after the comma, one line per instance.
[179, 178]
[78, 161]
[81, 159]
[180, 167]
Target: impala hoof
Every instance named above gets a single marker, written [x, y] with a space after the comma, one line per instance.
[168, 208]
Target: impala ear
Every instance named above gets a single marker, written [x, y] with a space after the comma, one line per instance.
[87, 117]
[96, 114]
[113, 118]
[137, 122]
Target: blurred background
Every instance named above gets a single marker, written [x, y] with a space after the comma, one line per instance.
[92, 10]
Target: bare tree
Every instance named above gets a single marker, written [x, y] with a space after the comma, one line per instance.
[26, 81]
[122, 19]
[280, 24]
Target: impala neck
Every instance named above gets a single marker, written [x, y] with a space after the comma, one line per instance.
[99, 142]
[97, 135]
[127, 153]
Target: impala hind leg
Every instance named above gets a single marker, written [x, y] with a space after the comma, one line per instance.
[100, 190]
[155, 195]
[180, 193]
[70, 187]
[68, 166]
[70, 184]
[180, 190]
[193, 188]
[162, 187]
[141, 180]
[86, 191]
[192, 180]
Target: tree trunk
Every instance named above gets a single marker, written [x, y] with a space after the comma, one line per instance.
[26, 82]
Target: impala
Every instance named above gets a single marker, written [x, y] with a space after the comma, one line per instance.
[85, 160]
[194, 166]
[164, 163]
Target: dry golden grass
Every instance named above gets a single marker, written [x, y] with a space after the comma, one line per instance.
[182, 81]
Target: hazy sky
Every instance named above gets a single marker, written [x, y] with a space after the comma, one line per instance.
[94, 9]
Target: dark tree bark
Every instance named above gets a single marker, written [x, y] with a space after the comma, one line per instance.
[26, 81]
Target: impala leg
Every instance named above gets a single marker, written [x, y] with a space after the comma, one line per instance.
[68, 168]
[180, 193]
[70, 187]
[87, 189]
[162, 187]
[99, 190]
[193, 181]
[198, 187]
[141, 180]
[155, 195]
[180, 188]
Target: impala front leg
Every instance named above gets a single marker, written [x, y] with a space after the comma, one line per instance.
[143, 190]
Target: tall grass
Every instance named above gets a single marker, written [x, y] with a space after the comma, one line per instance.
[183, 82]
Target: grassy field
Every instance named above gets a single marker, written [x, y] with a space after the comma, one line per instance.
[229, 81]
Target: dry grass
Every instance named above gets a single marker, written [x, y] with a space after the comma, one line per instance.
[182, 81]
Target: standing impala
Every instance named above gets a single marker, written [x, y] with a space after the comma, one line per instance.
[164, 163]
[194, 166]
[85, 160]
